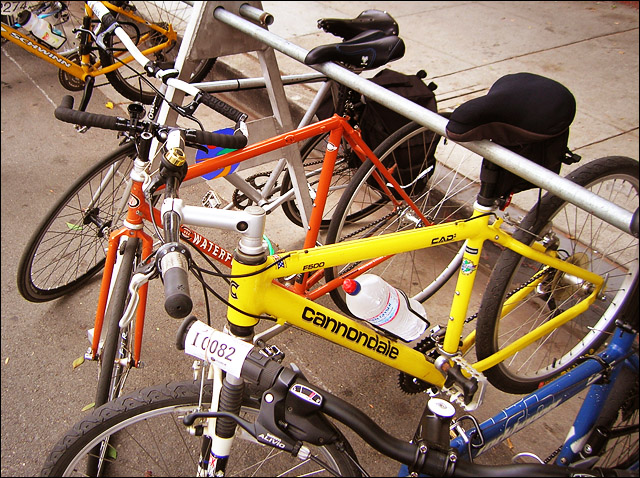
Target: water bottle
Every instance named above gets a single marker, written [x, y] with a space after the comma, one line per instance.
[41, 29]
[372, 299]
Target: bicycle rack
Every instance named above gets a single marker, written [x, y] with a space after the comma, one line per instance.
[532, 172]
[206, 37]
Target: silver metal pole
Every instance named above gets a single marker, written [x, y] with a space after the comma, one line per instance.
[536, 174]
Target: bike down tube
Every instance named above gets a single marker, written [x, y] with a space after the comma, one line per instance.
[551, 395]
[43, 52]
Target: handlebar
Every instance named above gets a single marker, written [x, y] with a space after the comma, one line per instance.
[66, 113]
[265, 373]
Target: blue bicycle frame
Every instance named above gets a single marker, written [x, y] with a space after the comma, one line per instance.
[598, 373]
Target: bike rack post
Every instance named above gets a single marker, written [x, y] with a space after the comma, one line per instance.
[534, 173]
[206, 37]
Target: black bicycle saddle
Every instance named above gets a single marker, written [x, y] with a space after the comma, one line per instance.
[518, 109]
[367, 20]
[369, 49]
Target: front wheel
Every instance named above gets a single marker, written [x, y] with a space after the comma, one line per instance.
[117, 349]
[149, 439]
[541, 293]
[68, 247]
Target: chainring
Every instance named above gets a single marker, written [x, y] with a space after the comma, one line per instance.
[413, 385]
[241, 200]
[70, 82]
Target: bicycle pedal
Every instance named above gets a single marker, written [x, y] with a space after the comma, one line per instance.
[456, 391]
[213, 200]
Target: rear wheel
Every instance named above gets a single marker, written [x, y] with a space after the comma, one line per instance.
[579, 238]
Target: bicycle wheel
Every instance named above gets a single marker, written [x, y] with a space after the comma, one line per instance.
[69, 246]
[127, 79]
[432, 173]
[149, 439]
[312, 155]
[117, 347]
[582, 239]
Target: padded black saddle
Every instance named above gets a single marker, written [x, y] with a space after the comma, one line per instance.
[526, 113]
[518, 109]
[367, 20]
[367, 50]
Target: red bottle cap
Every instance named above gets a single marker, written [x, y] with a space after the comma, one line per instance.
[350, 286]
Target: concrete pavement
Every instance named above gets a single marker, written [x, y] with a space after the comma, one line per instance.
[590, 47]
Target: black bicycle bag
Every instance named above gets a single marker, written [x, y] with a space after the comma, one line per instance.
[378, 122]
[526, 113]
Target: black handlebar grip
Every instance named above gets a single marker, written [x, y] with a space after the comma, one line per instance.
[66, 113]
[177, 300]
[235, 141]
[221, 107]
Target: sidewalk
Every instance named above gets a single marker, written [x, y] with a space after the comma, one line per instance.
[591, 47]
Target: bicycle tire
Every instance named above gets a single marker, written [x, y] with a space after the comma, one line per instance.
[109, 381]
[312, 154]
[126, 79]
[585, 240]
[117, 343]
[444, 194]
[68, 247]
[156, 406]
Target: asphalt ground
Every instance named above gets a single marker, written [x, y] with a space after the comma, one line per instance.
[592, 47]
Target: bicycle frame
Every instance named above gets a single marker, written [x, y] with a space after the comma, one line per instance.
[289, 308]
[597, 375]
[139, 211]
[86, 68]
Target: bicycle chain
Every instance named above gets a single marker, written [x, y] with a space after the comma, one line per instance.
[413, 385]
[382, 219]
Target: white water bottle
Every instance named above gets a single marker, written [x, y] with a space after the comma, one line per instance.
[372, 299]
[41, 29]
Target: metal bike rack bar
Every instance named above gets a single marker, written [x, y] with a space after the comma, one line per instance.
[518, 165]
[249, 83]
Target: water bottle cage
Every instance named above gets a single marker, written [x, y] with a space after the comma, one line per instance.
[406, 299]
[391, 335]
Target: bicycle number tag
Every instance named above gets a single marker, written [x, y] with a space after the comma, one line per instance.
[216, 347]
[11, 8]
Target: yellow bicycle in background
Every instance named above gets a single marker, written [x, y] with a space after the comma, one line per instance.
[155, 27]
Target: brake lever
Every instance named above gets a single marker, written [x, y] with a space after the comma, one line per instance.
[99, 39]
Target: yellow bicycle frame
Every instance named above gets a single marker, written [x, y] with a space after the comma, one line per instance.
[255, 291]
[86, 68]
